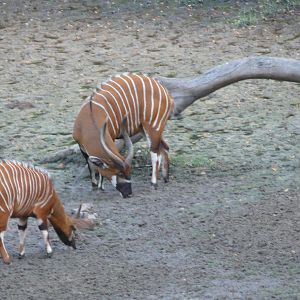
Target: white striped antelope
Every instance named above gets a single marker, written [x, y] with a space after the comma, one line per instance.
[124, 106]
[27, 191]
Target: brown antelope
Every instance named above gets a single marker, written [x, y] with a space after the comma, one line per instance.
[27, 191]
[124, 106]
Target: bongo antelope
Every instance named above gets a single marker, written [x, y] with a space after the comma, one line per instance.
[27, 191]
[124, 106]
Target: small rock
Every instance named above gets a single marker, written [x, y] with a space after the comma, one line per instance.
[19, 104]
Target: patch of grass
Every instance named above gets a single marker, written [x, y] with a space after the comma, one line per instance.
[183, 161]
[36, 114]
[69, 141]
[189, 2]
[172, 74]
[264, 10]
[246, 18]
[141, 163]
[163, 46]
[160, 64]
[270, 8]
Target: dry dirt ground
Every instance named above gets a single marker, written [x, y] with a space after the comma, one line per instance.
[227, 226]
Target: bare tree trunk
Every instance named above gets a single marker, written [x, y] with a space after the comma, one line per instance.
[185, 91]
[62, 154]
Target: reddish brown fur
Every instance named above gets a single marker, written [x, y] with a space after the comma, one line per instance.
[37, 198]
[92, 117]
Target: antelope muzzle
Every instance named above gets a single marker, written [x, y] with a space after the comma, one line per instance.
[124, 188]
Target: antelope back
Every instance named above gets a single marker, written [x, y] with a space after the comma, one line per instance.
[141, 98]
[23, 188]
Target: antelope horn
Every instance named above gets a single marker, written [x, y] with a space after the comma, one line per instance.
[127, 141]
[114, 158]
[78, 211]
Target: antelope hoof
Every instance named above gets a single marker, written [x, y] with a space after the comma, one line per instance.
[49, 255]
[21, 255]
[94, 187]
[7, 260]
[166, 179]
[154, 185]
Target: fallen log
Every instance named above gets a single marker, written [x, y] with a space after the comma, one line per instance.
[60, 155]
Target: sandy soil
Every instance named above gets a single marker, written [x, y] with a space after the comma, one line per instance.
[227, 224]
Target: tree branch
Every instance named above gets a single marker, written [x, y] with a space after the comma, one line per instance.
[186, 91]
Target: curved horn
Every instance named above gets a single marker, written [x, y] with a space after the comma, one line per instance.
[114, 158]
[78, 212]
[128, 142]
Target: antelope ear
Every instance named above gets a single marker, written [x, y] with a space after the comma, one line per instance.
[96, 161]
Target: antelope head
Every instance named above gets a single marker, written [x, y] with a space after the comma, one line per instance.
[118, 170]
[65, 230]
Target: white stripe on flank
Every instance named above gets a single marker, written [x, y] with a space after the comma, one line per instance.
[3, 198]
[27, 195]
[109, 118]
[20, 182]
[35, 186]
[152, 100]
[39, 179]
[45, 182]
[43, 203]
[123, 102]
[166, 111]
[136, 99]
[25, 187]
[9, 186]
[133, 101]
[31, 200]
[10, 179]
[144, 94]
[22, 190]
[8, 201]
[48, 193]
[30, 181]
[117, 123]
[116, 101]
[159, 103]
[45, 199]
[14, 182]
[130, 119]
